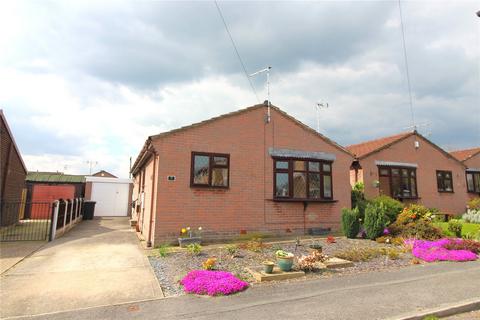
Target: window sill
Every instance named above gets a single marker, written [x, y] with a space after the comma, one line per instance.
[439, 191]
[200, 187]
[303, 200]
[407, 198]
[474, 192]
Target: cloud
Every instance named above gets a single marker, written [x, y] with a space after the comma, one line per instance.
[91, 81]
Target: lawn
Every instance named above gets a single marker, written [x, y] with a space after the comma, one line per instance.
[467, 227]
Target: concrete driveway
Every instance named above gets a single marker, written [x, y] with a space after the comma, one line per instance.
[99, 262]
[13, 252]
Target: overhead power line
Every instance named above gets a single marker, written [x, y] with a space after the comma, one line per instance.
[406, 66]
[236, 51]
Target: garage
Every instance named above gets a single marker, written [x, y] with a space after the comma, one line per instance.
[110, 194]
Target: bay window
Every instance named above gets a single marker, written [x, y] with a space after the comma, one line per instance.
[300, 179]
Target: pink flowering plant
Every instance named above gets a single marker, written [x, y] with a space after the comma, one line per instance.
[437, 250]
[212, 283]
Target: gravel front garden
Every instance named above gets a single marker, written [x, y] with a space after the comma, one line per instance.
[171, 268]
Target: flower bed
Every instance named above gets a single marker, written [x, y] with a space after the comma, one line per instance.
[173, 267]
[213, 283]
[436, 250]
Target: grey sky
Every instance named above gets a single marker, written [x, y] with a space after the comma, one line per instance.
[90, 81]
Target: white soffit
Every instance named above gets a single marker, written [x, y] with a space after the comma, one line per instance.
[395, 164]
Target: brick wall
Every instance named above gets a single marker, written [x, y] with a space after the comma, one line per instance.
[13, 178]
[247, 204]
[429, 159]
[473, 162]
[143, 213]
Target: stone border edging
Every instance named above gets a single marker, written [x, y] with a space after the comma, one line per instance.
[443, 311]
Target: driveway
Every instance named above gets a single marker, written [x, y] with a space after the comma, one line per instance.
[13, 252]
[99, 262]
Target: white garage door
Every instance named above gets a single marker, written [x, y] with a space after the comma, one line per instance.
[111, 198]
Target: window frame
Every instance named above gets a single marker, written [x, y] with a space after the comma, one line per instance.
[211, 166]
[475, 176]
[390, 178]
[441, 181]
[307, 173]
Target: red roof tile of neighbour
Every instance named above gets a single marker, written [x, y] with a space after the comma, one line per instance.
[465, 154]
[365, 148]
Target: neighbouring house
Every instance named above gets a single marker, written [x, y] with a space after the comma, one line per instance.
[256, 170]
[412, 169]
[103, 173]
[12, 176]
[111, 194]
[471, 159]
[46, 187]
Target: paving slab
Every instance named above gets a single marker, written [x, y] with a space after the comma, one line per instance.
[335, 263]
[276, 275]
[99, 262]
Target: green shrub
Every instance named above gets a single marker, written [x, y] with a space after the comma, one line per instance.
[455, 226]
[414, 212]
[232, 249]
[350, 222]
[194, 249]
[418, 229]
[392, 207]
[365, 254]
[358, 199]
[361, 206]
[163, 250]
[255, 245]
[375, 220]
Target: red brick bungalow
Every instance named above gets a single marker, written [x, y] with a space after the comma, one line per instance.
[410, 168]
[240, 173]
[471, 159]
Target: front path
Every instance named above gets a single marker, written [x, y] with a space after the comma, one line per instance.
[375, 295]
[99, 262]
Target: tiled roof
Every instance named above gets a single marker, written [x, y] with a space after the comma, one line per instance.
[362, 149]
[57, 177]
[231, 114]
[465, 154]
